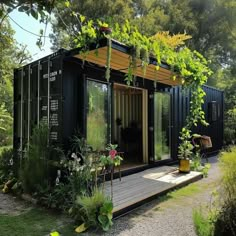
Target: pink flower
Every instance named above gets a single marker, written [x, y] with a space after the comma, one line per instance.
[112, 153]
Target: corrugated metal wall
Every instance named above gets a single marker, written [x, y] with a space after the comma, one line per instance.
[179, 109]
[38, 96]
[215, 128]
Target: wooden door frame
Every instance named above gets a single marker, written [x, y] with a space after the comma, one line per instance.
[144, 119]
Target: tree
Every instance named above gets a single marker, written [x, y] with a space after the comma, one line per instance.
[13, 56]
[36, 8]
[66, 22]
[226, 80]
[150, 16]
[5, 126]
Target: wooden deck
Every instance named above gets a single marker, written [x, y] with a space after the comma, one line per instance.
[136, 189]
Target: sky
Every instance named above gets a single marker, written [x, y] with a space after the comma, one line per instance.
[25, 38]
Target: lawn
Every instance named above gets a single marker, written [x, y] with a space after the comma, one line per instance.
[35, 222]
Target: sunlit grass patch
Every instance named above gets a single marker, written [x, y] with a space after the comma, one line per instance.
[189, 190]
[36, 222]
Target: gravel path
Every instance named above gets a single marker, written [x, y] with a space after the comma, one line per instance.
[11, 205]
[172, 217]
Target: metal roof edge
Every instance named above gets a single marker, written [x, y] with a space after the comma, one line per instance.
[211, 87]
[117, 46]
[59, 52]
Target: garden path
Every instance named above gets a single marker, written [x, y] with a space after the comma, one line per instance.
[10, 205]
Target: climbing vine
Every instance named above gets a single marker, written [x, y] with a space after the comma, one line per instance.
[189, 66]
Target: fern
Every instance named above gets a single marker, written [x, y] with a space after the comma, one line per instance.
[172, 41]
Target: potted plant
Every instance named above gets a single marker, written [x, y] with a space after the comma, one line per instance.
[185, 151]
[104, 28]
[112, 159]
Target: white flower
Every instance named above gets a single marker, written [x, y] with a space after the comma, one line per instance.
[57, 180]
[11, 162]
[73, 155]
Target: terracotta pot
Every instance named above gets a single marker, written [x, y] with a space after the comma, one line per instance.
[109, 168]
[184, 166]
[105, 30]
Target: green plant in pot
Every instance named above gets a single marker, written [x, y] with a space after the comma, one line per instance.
[104, 27]
[112, 159]
[185, 151]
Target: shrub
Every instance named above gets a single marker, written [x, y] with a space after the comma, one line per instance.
[226, 221]
[63, 195]
[58, 197]
[95, 210]
[222, 215]
[228, 169]
[78, 169]
[6, 164]
[75, 177]
[6, 130]
[196, 164]
[34, 172]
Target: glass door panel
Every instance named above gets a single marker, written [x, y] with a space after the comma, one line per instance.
[162, 126]
[97, 114]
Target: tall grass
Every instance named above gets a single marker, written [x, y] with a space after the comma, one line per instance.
[203, 226]
[34, 171]
[220, 218]
[228, 169]
[226, 221]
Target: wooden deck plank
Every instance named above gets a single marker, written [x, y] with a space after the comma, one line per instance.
[141, 193]
[138, 198]
[137, 187]
[136, 192]
[139, 179]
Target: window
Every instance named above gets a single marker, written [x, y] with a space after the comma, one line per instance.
[97, 114]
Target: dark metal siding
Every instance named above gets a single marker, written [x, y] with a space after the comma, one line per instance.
[215, 128]
[37, 88]
[180, 109]
[72, 100]
[17, 109]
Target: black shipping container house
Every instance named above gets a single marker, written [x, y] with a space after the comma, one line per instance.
[71, 93]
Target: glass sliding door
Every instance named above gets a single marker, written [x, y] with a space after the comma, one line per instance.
[97, 114]
[162, 124]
